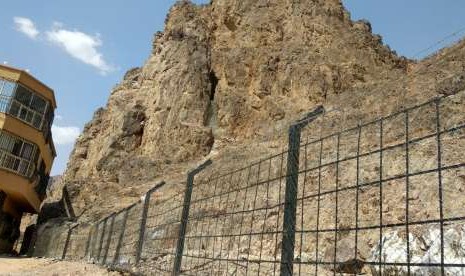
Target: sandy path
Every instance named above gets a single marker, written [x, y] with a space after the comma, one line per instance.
[46, 267]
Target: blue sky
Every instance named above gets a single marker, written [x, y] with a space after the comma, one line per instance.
[83, 48]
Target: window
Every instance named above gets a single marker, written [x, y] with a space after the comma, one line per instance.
[38, 104]
[23, 95]
[23, 113]
[26, 105]
[7, 88]
[14, 109]
[17, 155]
[6, 144]
[37, 121]
[30, 108]
[26, 151]
[6, 92]
[17, 146]
[4, 103]
[23, 167]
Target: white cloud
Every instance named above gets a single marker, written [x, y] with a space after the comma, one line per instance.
[26, 26]
[65, 135]
[81, 46]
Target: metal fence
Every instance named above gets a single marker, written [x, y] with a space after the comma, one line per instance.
[382, 198]
[393, 183]
[235, 222]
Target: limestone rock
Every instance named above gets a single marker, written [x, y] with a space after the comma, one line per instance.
[425, 247]
[220, 63]
[224, 76]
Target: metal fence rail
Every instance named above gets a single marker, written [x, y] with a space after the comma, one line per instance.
[382, 198]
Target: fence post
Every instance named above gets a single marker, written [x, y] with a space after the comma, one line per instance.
[185, 216]
[121, 235]
[143, 221]
[290, 204]
[58, 242]
[68, 237]
[89, 237]
[101, 239]
[93, 246]
[109, 239]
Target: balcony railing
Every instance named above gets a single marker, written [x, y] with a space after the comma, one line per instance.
[18, 155]
[16, 164]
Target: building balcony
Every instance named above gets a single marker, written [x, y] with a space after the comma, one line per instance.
[26, 145]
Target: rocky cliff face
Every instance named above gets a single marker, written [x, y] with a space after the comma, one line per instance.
[235, 73]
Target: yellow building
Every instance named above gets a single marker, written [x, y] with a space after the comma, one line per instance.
[26, 148]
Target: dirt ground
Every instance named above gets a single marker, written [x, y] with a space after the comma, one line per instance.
[10, 266]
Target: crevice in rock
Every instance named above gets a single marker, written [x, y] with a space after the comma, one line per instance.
[213, 84]
[212, 112]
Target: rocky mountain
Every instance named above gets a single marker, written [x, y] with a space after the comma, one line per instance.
[225, 80]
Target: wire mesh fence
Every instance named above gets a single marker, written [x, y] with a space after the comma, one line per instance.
[235, 221]
[51, 241]
[160, 238]
[384, 197]
[381, 198]
[77, 243]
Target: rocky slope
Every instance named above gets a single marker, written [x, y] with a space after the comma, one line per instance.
[221, 75]
[231, 74]
[225, 80]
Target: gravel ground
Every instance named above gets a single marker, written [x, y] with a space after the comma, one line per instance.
[34, 266]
